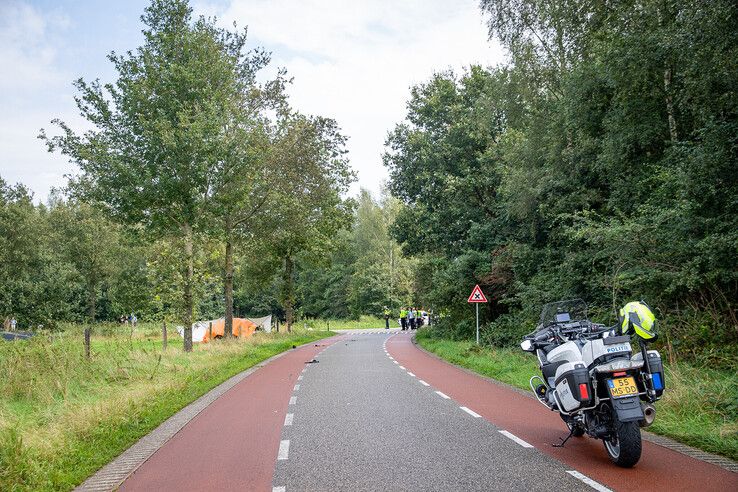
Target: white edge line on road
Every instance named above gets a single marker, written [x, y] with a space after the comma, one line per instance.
[279, 489]
[411, 374]
[395, 362]
[293, 400]
[443, 395]
[299, 378]
[289, 418]
[516, 439]
[284, 450]
[297, 387]
[588, 481]
[402, 367]
[423, 382]
[471, 412]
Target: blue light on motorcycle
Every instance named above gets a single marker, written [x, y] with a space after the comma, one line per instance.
[657, 384]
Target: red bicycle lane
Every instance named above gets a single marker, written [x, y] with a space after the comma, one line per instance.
[660, 468]
[233, 443]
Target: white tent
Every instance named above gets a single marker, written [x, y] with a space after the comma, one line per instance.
[264, 324]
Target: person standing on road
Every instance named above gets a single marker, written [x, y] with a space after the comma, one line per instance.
[403, 318]
[387, 313]
[411, 318]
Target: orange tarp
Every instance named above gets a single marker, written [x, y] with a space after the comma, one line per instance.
[241, 328]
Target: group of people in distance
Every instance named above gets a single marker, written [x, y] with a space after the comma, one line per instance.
[410, 318]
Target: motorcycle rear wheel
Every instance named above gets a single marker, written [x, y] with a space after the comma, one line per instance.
[624, 446]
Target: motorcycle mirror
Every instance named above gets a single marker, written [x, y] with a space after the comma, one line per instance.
[527, 345]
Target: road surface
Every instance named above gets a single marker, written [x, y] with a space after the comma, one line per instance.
[377, 413]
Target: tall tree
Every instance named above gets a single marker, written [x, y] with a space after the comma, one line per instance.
[157, 131]
[310, 211]
[90, 242]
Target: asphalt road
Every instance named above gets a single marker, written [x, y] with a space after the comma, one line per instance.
[377, 413]
[361, 422]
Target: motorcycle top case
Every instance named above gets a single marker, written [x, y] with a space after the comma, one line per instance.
[657, 370]
[602, 350]
[569, 390]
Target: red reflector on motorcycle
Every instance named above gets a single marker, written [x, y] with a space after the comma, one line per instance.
[617, 374]
[584, 391]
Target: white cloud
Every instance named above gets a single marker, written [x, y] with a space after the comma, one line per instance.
[33, 89]
[355, 61]
[26, 49]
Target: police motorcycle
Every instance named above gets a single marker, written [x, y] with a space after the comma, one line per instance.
[592, 379]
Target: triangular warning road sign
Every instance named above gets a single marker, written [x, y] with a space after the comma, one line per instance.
[477, 295]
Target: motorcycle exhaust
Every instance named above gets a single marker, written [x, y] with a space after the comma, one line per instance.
[649, 414]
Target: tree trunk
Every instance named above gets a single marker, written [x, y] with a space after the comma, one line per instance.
[670, 106]
[289, 295]
[92, 298]
[188, 298]
[228, 284]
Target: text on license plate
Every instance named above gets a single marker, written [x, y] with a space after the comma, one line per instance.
[622, 387]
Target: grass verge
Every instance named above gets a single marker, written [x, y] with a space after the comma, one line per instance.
[699, 407]
[62, 416]
[363, 323]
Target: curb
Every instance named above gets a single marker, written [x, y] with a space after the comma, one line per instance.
[663, 441]
[112, 475]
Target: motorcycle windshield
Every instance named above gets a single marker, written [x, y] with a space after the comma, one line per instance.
[563, 312]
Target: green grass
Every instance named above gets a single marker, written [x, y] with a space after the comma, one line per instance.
[363, 323]
[699, 406]
[62, 417]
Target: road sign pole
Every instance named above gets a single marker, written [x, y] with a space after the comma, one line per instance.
[477, 304]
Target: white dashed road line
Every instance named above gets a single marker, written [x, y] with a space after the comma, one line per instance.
[279, 489]
[402, 367]
[289, 418]
[423, 382]
[297, 387]
[293, 400]
[411, 374]
[516, 439]
[299, 378]
[284, 450]
[395, 362]
[588, 481]
[471, 412]
[443, 395]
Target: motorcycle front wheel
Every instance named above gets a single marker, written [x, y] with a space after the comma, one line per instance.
[624, 446]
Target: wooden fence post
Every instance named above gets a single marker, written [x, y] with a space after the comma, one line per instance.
[164, 335]
[87, 343]
[210, 331]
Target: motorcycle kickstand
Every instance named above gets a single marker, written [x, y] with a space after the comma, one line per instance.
[563, 441]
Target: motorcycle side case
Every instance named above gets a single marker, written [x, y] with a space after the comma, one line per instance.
[657, 370]
[568, 378]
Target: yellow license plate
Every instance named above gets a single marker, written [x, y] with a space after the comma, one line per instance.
[622, 387]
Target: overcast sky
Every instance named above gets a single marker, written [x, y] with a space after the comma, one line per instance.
[351, 60]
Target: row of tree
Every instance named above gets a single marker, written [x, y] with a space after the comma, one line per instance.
[364, 272]
[192, 151]
[600, 163]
